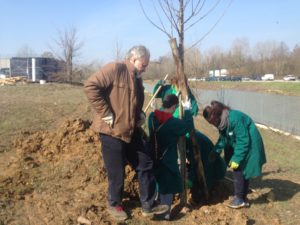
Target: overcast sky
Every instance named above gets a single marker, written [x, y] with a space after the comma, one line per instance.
[103, 23]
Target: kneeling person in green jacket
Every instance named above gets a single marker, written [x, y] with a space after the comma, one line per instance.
[243, 147]
[213, 170]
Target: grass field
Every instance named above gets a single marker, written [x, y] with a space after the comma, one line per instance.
[36, 107]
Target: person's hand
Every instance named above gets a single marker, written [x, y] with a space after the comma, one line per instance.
[109, 119]
[212, 156]
[142, 120]
[153, 104]
[233, 165]
[186, 104]
[187, 162]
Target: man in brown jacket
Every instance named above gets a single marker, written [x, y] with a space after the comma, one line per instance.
[116, 94]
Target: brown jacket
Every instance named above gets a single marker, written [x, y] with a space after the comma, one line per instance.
[115, 89]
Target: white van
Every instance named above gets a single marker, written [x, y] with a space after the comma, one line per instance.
[268, 76]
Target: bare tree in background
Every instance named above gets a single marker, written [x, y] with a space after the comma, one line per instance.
[193, 60]
[238, 55]
[263, 52]
[47, 55]
[118, 54]
[70, 46]
[280, 56]
[294, 66]
[157, 69]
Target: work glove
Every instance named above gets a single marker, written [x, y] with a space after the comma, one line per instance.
[212, 156]
[233, 165]
[186, 161]
[186, 104]
[142, 120]
[109, 119]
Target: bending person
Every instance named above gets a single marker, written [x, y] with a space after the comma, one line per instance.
[243, 147]
[213, 170]
[173, 88]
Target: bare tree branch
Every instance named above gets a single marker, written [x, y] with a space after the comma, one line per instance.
[169, 17]
[211, 29]
[206, 14]
[187, 3]
[172, 11]
[147, 17]
[162, 24]
[195, 11]
[167, 2]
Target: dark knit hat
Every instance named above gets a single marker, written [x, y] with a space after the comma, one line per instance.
[170, 100]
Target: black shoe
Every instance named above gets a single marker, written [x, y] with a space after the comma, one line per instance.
[155, 210]
[238, 203]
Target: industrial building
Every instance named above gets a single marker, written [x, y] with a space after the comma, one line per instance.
[34, 68]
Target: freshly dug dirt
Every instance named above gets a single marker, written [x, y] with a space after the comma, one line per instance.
[58, 177]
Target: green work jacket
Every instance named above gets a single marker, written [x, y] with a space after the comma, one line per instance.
[242, 136]
[167, 171]
[213, 171]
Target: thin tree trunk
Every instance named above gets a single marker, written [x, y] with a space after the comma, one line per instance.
[183, 88]
[183, 92]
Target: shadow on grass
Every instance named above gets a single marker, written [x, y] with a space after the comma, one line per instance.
[269, 190]
[279, 190]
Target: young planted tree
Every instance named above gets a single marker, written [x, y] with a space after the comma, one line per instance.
[180, 16]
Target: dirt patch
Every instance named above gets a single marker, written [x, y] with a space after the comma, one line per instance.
[57, 177]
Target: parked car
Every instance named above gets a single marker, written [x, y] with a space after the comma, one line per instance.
[236, 78]
[268, 76]
[289, 77]
[245, 79]
[211, 79]
[224, 78]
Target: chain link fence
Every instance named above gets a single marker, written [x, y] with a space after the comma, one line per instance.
[276, 111]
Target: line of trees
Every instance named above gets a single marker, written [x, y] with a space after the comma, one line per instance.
[240, 60]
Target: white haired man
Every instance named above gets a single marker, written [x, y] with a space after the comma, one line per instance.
[116, 93]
